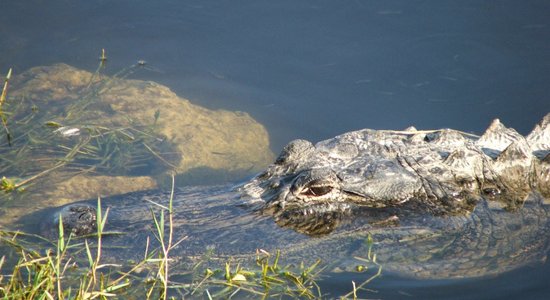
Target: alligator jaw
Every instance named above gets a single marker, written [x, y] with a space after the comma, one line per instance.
[364, 200]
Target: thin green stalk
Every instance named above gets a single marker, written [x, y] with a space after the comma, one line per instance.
[60, 250]
[166, 248]
[166, 242]
[5, 89]
[363, 284]
[69, 157]
[2, 99]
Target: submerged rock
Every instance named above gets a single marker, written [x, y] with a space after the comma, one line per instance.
[216, 139]
[194, 142]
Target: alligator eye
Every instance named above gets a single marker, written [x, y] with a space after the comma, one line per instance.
[317, 191]
[315, 183]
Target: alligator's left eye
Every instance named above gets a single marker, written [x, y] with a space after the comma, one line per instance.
[317, 190]
[315, 183]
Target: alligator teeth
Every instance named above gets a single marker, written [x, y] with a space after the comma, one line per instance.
[539, 138]
[497, 138]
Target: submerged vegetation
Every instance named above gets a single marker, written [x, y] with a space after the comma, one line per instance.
[44, 142]
[43, 139]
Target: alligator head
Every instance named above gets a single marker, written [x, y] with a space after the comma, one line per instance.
[444, 171]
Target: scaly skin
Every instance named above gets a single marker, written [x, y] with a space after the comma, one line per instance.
[444, 170]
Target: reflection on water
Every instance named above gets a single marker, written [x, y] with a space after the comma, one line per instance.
[314, 69]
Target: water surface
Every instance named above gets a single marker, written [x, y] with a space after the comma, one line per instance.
[314, 69]
[311, 69]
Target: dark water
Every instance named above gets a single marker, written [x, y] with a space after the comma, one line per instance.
[310, 69]
[314, 69]
[525, 283]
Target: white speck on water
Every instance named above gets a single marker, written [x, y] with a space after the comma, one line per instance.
[67, 131]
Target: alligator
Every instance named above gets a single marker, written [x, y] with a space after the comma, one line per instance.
[441, 171]
[437, 203]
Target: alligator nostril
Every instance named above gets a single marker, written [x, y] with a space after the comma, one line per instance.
[86, 216]
[293, 151]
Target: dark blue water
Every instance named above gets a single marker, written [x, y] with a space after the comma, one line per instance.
[524, 283]
[314, 69]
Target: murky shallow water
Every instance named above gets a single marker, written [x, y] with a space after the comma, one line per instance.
[314, 69]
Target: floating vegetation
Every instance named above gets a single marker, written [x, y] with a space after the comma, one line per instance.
[72, 137]
[73, 269]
